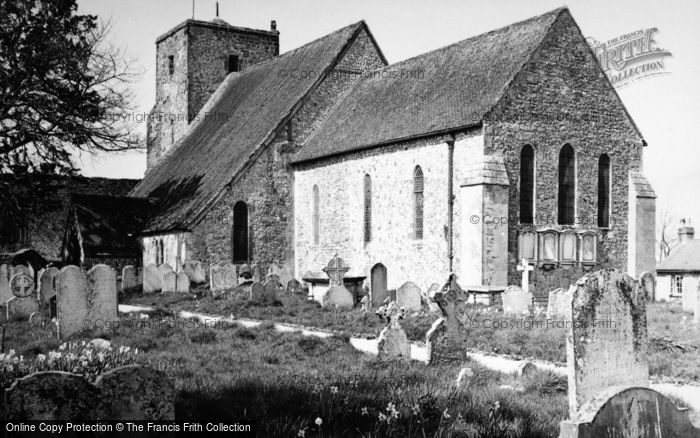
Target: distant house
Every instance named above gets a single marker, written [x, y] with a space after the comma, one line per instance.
[678, 274]
[35, 207]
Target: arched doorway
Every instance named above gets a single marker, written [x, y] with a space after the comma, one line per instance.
[240, 233]
[378, 292]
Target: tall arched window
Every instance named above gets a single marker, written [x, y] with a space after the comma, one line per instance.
[239, 235]
[367, 186]
[527, 184]
[604, 191]
[418, 188]
[160, 252]
[316, 218]
[567, 185]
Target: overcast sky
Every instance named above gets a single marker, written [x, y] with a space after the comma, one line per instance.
[665, 108]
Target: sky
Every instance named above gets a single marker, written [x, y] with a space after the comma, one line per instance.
[664, 107]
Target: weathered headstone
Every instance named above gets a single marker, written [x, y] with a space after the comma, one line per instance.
[649, 284]
[195, 271]
[182, 284]
[5, 292]
[446, 337]
[607, 338]
[559, 305]
[629, 413]
[222, 276]
[516, 300]
[130, 278]
[169, 282]
[273, 278]
[131, 392]
[285, 275]
[257, 292]
[393, 342]
[164, 269]
[101, 298]
[270, 289]
[71, 303]
[256, 272]
[408, 297]
[152, 281]
[338, 297]
[21, 309]
[428, 300]
[294, 286]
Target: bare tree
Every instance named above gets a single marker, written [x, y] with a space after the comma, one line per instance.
[667, 236]
[63, 87]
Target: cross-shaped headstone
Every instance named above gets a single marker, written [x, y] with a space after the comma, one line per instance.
[22, 285]
[336, 270]
[526, 268]
[392, 313]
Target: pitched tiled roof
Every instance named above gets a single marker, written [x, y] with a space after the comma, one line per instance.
[252, 104]
[683, 258]
[451, 87]
[109, 225]
[44, 201]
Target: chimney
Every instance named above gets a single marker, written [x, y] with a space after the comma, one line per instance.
[273, 25]
[685, 232]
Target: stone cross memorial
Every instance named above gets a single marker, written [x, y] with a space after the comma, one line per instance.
[393, 342]
[525, 267]
[337, 296]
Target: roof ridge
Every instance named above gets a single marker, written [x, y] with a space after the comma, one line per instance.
[474, 37]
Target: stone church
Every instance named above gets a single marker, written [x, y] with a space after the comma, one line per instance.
[508, 145]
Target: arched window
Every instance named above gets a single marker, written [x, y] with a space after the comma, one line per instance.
[160, 252]
[418, 187]
[367, 208]
[527, 184]
[240, 232]
[316, 218]
[604, 191]
[567, 185]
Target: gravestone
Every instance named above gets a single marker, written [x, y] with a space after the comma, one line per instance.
[130, 278]
[5, 292]
[393, 342]
[170, 282]
[195, 271]
[22, 269]
[21, 309]
[525, 268]
[285, 275]
[274, 278]
[408, 296]
[256, 272]
[607, 339]
[649, 284]
[270, 289]
[152, 281]
[559, 306]
[164, 269]
[182, 284]
[131, 392]
[257, 292]
[222, 276]
[71, 303]
[295, 287]
[337, 297]
[426, 296]
[516, 300]
[629, 413]
[102, 294]
[445, 341]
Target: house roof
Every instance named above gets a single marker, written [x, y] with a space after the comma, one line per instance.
[249, 106]
[43, 202]
[446, 89]
[108, 225]
[685, 257]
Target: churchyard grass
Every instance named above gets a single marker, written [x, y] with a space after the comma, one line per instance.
[674, 349]
[285, 382]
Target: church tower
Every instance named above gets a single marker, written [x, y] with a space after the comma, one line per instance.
[192, 59]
